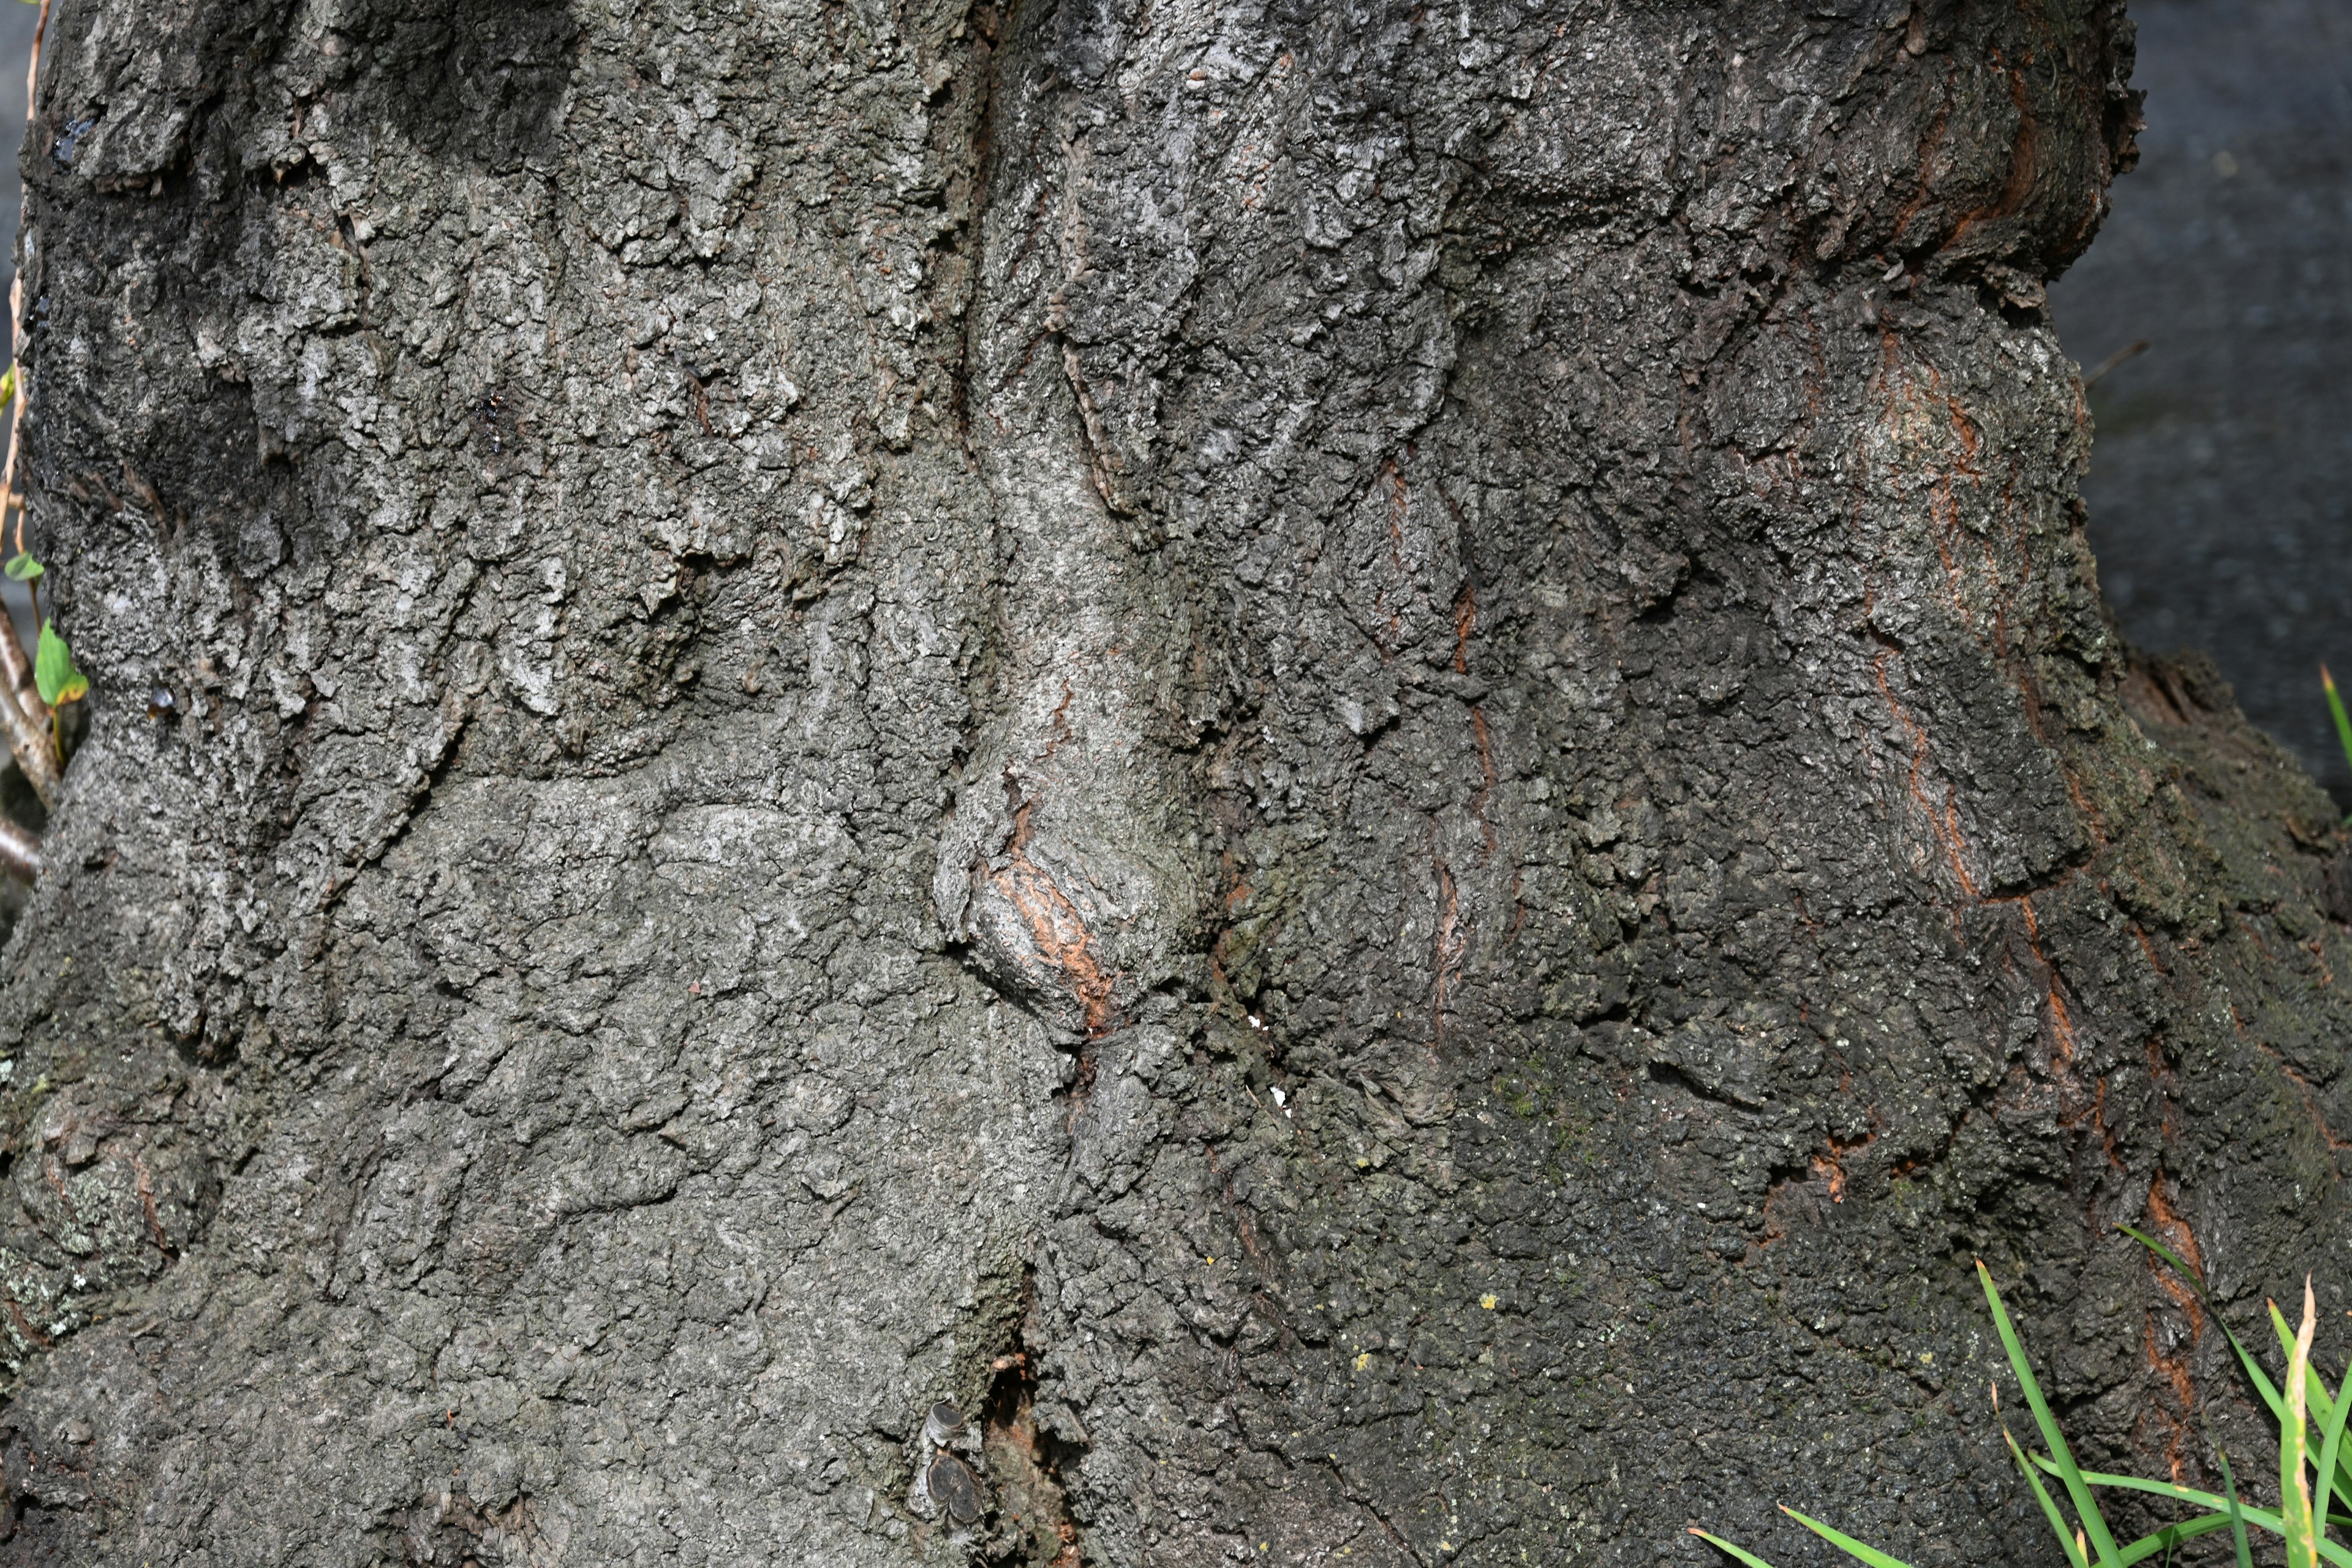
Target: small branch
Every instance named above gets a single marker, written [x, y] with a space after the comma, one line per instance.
[22, 711]
[29, 742]
[14, 667]
[2130, 351]
[20, 852]
[16, 324]
[23, 715]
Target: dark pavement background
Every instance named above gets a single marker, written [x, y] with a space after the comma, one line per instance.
[2218, 480]
[16, 22]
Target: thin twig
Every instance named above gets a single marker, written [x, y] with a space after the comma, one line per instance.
[22, 711]
[20, 853]
[17, 314]
[15, 666]
[29, 743]
[2130, 351]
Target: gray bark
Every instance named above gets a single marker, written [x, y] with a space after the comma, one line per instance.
[1357, 761]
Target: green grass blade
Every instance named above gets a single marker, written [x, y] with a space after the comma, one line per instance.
[2324, 1409]
[2331, 1455]
[1846, 1544]
[2254, 1369]
[2327, 1410]
[1721, 1544]
[2049, 1509]
[2086, 1508]
[2336, 707]
[2173, 1489]
[2315, 1390]
[2260, 1518]
[2164, 1252]
[2172, 1535]
[2237, 1518]
[2323, 1403]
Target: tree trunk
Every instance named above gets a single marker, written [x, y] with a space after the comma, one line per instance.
[1357, 761]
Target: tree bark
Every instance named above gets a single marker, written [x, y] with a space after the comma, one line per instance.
[1357, 761]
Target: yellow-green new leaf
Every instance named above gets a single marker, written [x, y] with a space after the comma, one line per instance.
[54, 671]
[2335, 709]
[22, 567]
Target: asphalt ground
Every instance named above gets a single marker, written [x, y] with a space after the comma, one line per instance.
[2219, 478]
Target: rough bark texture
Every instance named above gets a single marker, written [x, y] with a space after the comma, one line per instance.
[1356, 760]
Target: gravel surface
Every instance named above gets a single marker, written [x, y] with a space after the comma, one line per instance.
[2218, 486]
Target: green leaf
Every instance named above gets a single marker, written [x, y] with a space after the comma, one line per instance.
[2237, 1518]
[54, 671]
[22, 567]
[2331, 1455]
[2263, 1385]
[2260, 1517]
[2086, 1508]
[2164, 1252]
[2285, 1333]
[1846, 1544]
[2172, 1535]
[2336, 707]
[2321, 1406]
[7, 385]
[2049, 1509]
[1716, 1541]
[2255, 1374]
